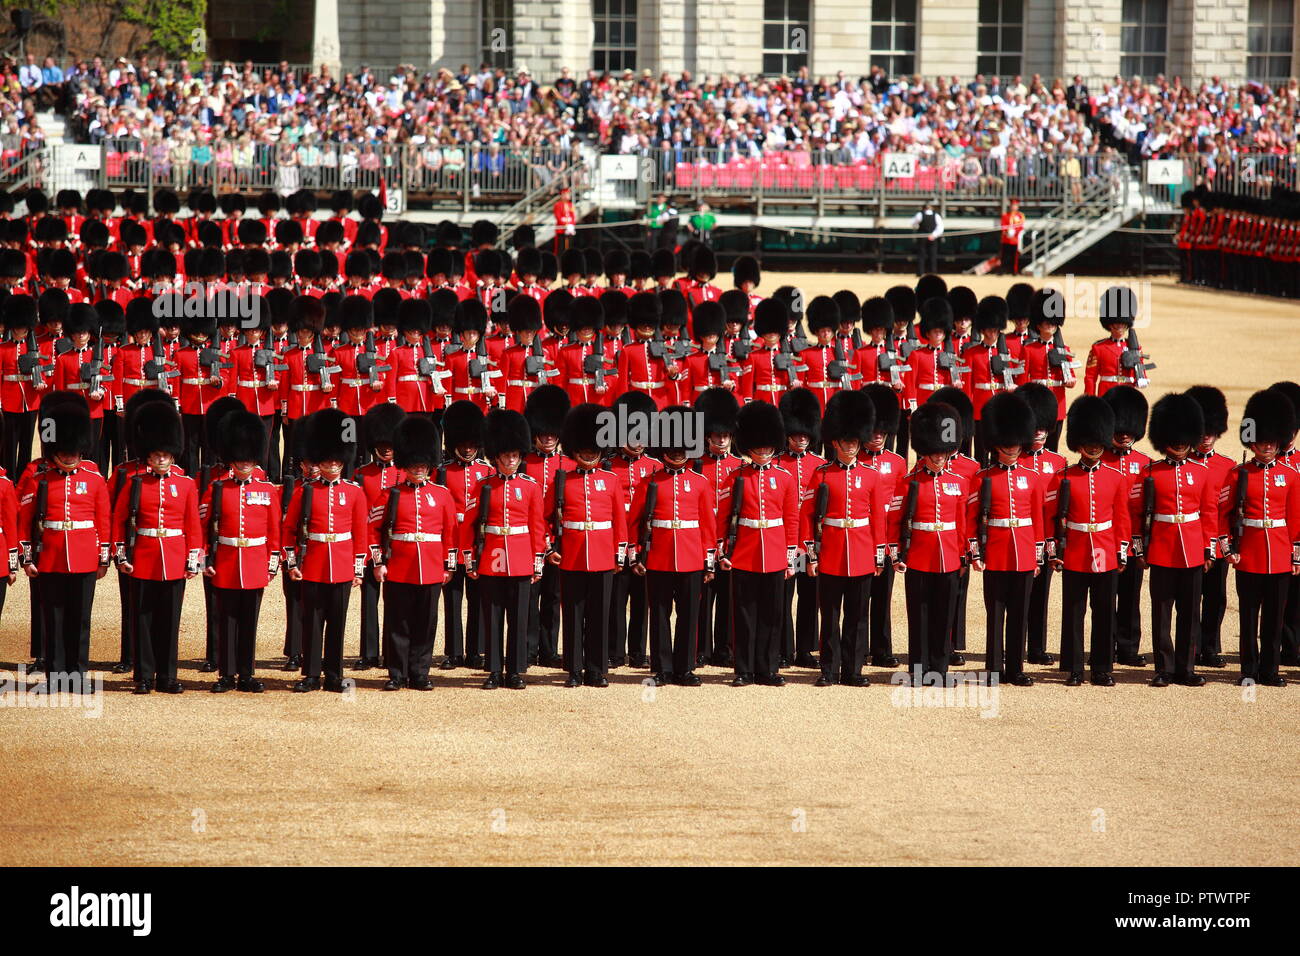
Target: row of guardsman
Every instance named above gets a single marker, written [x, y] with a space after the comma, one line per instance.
[1241, 243]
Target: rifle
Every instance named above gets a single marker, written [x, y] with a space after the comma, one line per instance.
[905, 530]
[651, 498]
[427, 366]
[265, 358]
[214, 523]
[891, 361]
[156, 367]
[132, 514]
[1003, 364]
[318, 362]
[1058, 356]
[820, 504]
[718, 363]
[368, 361]
[1148, 511]
[561, 477]
[786, 360]
[737, 500]
[948, 360]
[740, 349]
[290, 482]
[214, 360]
[535, 362]
[92, 372]
[1134, 358]
[1062, 516]
[986, 505]
[594, 364]
[29, 364]
[37, 530]
[480, 530]
[478, 364]
[910, 343]
[303, 522]
[1239, 512]
[390, 521]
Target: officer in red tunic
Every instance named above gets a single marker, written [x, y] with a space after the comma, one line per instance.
[717, 408]
[1106, 365]
[929, 533]
[1130, 408]
[1047, 464]
[1179, 530]
[768, 370]
[525, 365]
[1045, 362]
[830, 366]
[1262, 521]
[20, 393]
[413, 546]
[509, 544]
[1004, 527]
[376, 477]
[588, 520]
[545, 413]
[645, 365]
[1214, 589]
[989, 361]
[240, 514]
[801, 415]
[416, 378]
[967, 468]
[1087, 512]
[761, 540]
[461, 471]
[631, 465]
[892, 468]
[325, 538]
[844, 531]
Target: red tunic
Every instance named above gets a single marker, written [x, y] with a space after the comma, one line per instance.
[423, 535]
[768, 531]
[77, 527]
[338, 532]
[854, 529]
[247, 531]
[683, 532]
[168, 532]
[594, 521]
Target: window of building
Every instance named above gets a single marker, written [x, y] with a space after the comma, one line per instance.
[1269, 39]
[614, 48]
[893, 36]
[1000, 38]
[1143, 37]
[498, 36]
[786, 36]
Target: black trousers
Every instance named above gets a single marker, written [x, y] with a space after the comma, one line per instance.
[882, 625]
[1260, 598]
[799, 629]
[756, 612]
[370, 614]
[1214, 605]
[843, 639]
[129, 603]
[927, 256]
[293, 626]
[585, 595]
[901, 447]
[1128, 610]
[237, 610]
[323, 609]
[1175, 591]
[544, 615]
[959, 614]
[18, 428]
[210, 621]
[1291, 622]
[1039, 594]
[1006, 619]
[1010, 258]
[192, 457]
[931, 603]
[627, 617]
[66, 601]
[673, 652]
[459, 640]
[503, 604]
[1079, 591]
[111, 441]
[714, 639]
[410, 629]
[36, 615]
[157, 628]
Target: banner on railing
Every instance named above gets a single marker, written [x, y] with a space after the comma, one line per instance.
[898, 166]
[1164, 172]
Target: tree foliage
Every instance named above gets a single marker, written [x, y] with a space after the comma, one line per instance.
[174, 27]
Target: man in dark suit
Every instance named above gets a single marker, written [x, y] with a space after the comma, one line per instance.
[1076, 96]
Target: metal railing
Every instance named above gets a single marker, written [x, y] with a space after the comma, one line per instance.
[20, 169]
[1085, 201]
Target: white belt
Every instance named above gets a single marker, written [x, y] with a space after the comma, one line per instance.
[933, 525]
[21, 378]
[504, 530]
[987, 386]
[304, 388]
[676, 524]
[582, 381]
[822, 384]
[846, 522]
[254, 384]
[1010, 522]
[135, 382]
[770, 388]
[417, 536]
[1088, 527]
[587, 525]
[410, 378]
[1263, 522]
[471, 390]
[331, 538]
[195, 381]
[518, 383]
[1050, 382]
[241, 542]
[356, 382]
[159, 532]
[1112, 378]
[66, 525]
[79, 385]
[930, 386]
[1179, 519]
[647, 384]
[762, 522]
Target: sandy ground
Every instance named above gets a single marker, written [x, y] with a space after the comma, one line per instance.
[1041, 775]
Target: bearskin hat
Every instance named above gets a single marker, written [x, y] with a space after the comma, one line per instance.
[99, 200]
[793, 299]
[801, 414]
[771, 316]
[268, 203]
[49, 229]
[279, 302]
[232, 203]
[416, 442]
[415, 315]
[1292, 391]
[94, 234]
[1047, 305]
[443, 306]
[936, 429]
[759, 425]
[990, 314]
[822, 313]
[190, 262]
[448, 233]
[257, 262]
[1007, 420]
[139, 400]
[581, 429]
[1118, 304]
[407, 235]
[614, 307]
[903, 301]
[216, 414]
[745, 269]
[37, 202]
[59, 264]
[341, 201]
[81, 318]
[1269, 417]
[210, 234]
[1214, 406]
[1130, 408]
[112, 318]
[355, 312]
[703, 262]
[251, 232]
[644, 310]
[288, 232]
[471, 316]
[638, 265]
[369, 207]
[212, 262]
[166, 202]
[194, 326]
[572, 262]
[936, 313]
[672, 308]
[505, 430]
[329, 232]
[140, 317]
[528, 262]
[357, 264]
[930, 286]
[592, 262]
[960, 401]
[735, 306]
[1018, 298]
[636, 405]
[616, 262]
[550, 267]
[157, 428]
[306, 313]
[849, 415]
[393, 266]
[662, 264]
[332, 436]
[524, 314]
[13, 264]
[462, 424]
[202, 201]
[709, 319]
[963, 301]
[1043, 404]
[67, 422]
[52, 306]
[1089, 421]
[850, 306]
[132, 234]
[719, 407]
[545, 410]
[483, 232]
[240, 436]
[557, 312]
[488, 263]
[1176, 419]
[19, 312]
[112, 265]
[68, 199]
[438, 263]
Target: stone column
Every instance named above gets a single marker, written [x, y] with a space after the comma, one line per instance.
[1089, 43]
[325, 47]
[1218, 41]
[946, 37]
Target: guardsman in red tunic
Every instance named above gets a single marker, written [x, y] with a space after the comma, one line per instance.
[844, 531]
[461, 471]
[1004, 527]
[1047, 362]
[1047, 464]
[1019, 297]
[379, 426]
[761, 533]
[134, 368]
[801, 415]
[256, 380]
[1087, 516]
[711, 365]
[545, 412]
[932, 365]
[965, 467]
[20, 392]
[589, 527]
[929, 533]
[673, 526]
[358, 391]
[1214, 590]
[9, 533]
[1179, 532]
[1262, 523]
[828, 356]
[240, 514]
[1012, 225]
[989, 361]
[509, 545]
[644, 365]
[325, 538]
[198, 386]
[64, 530]
[525, 365]
[1107, 357]
[717, 408]
[585, 373]
[309, 384]
[892, 469]
[415, 379]
[876, 359]
[768, 371]
[79, 327]
[475, 375]
[1130, 408]
[701, 268]
[413, 545]
[631, 465]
